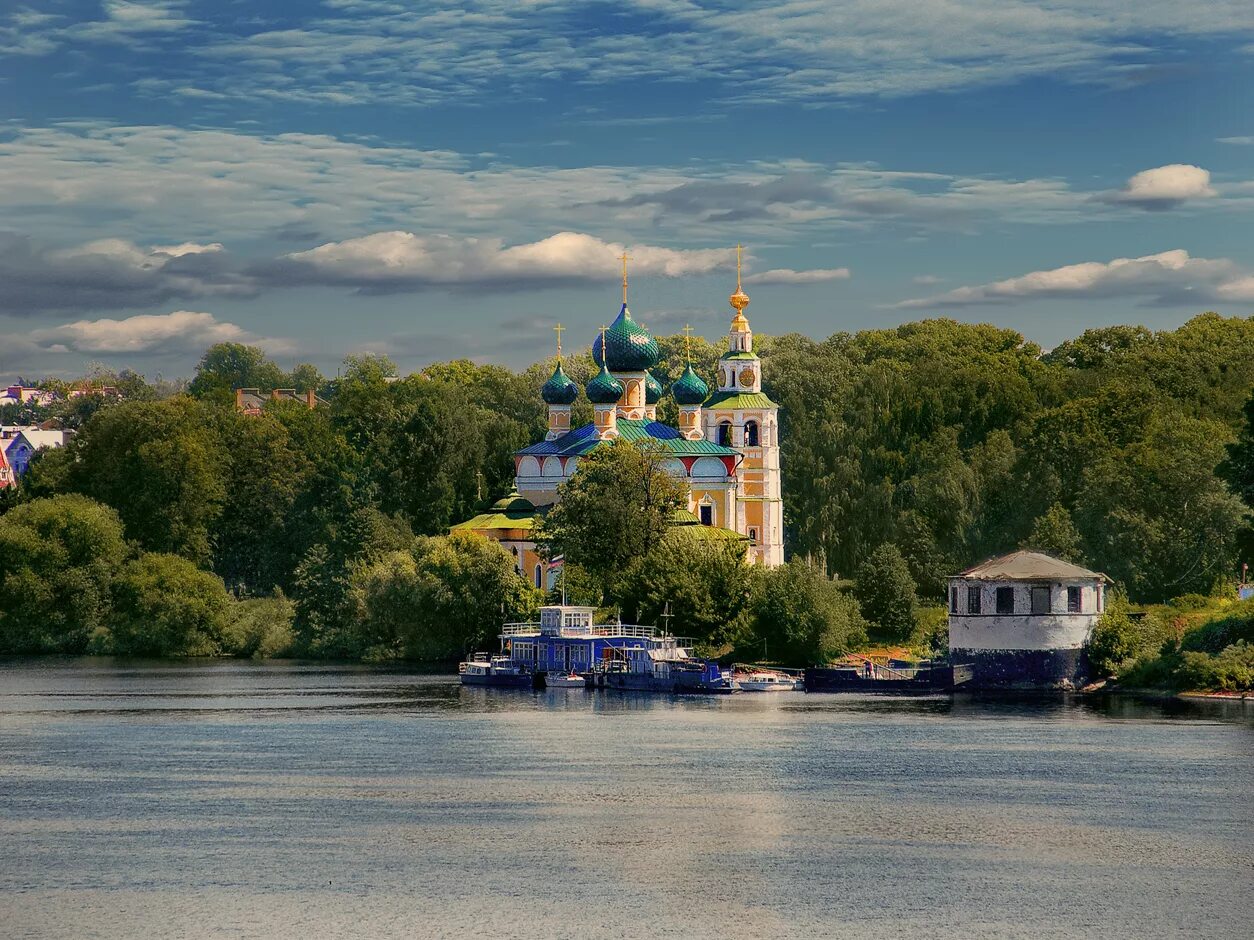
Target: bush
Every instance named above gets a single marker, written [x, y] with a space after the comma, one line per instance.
[886, 592]
[803, 617]
[1232, 670]
[166, 606]
[262, 627]
[1235, 625]
[57, 559]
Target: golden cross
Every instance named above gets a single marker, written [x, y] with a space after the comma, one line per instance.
[605, 362]
[687, 342]
[558, 330]
[738, 250]
[624, 258]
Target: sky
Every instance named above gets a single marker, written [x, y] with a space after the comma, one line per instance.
[332, 177]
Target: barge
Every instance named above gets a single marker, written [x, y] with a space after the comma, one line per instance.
[566, 643]
[926, 678]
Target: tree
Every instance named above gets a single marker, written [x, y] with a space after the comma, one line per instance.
[161, 466]
[227, 366]
[57, 561]
[305, 378]
[886, 592]
[166, 606]
[803, 618]
[1055, 533]
[444, 596]
[614, 510]
[1237, 469]
[707, 585]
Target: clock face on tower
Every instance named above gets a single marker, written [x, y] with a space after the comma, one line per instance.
[747, 378]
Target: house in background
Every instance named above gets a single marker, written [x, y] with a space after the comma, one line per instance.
[23, 394]
[1023, 620]
[20, 444]
[7, 478]
[251, 401]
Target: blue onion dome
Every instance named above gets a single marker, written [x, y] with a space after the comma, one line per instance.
[604, 389]
[689, 389]
[652, 389]
[559, 390]
[631, 347]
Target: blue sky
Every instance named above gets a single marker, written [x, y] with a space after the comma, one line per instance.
[374, 175]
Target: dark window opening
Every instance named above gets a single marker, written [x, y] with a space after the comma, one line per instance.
[1005, 600]
[753, 536]
[707, 515]
[539, 577]
[724, 434]
[1074, 599]
[751, 434]
[973, 600]
[1040, 600]
[953, 600]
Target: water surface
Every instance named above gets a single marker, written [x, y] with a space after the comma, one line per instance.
[295, 801]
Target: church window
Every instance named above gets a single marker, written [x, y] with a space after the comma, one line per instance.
[753, 536]
[707, 514]
[539, 576]
[724, 433]
[751, 434]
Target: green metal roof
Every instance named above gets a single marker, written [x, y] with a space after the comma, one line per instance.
[581, 440]
[737, 355]
[733, 401]
[499, 520]
[685, 524]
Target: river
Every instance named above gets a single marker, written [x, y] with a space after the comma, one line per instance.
[305, 801]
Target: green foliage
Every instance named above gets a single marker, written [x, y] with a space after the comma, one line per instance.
[227, 366]
[614, 511]
[708, 586]
[438, 599]
[165, 606]
[1055, 534]
[886, 593]
[1235, 624]
[1230, 670]
[803, 617]
[1120, 639]
[262, 627]
[57, 561]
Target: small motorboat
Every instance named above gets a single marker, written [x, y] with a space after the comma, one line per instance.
[482, 669]
[568, 681]
[767, 682]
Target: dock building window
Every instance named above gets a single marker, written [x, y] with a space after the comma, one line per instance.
[1040, 600]
[953, 600]
[1074, 599]
[973, 600]
[1005, 600]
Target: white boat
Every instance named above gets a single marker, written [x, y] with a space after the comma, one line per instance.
[767, 682]
[559, 681]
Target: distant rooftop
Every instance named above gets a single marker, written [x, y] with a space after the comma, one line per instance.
[1028, 566]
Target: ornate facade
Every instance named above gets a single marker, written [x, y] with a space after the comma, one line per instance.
[726, 447]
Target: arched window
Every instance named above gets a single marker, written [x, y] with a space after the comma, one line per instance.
[753, 536]
[724, 433]
[751, 434]
[539, 576]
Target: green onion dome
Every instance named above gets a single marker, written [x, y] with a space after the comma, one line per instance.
[559, 390]
[631, 347]
[604, 389]
[652, 389]
[689, 389]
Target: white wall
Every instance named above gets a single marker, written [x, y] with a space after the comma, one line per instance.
[1022, 630]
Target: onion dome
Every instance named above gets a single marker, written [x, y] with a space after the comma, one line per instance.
[604, 389]
[559, 389]
[653, 390]
[689, 389]
[631, 347]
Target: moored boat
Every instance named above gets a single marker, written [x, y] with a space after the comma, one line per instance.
[556, 680]
[763, 681]
[482, 669]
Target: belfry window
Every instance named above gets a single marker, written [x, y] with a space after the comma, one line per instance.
[724, 434]
[751, 434]
[753, 536]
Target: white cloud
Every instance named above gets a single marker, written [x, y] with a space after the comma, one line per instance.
[1164, 187]
[180, 332]
[111, 273]
[789, 276]
[1237, 141]
[1167, 278]
[393, 261]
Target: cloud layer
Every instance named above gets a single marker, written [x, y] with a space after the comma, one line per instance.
[1170, 277]
[1165, 187]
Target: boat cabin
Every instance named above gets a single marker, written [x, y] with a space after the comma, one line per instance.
[566, 640]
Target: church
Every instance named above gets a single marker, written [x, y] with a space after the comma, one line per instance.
[726, 447]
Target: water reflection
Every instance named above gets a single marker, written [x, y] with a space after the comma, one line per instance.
[296, 800]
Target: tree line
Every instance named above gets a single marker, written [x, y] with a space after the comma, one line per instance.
[908, 454]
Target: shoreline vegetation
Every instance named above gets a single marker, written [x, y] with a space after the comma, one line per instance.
[172, 524]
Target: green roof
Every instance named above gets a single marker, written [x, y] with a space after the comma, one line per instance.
[583, 439]
[738, 355]
[687, 525]
[499, 520]
[733, 401]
